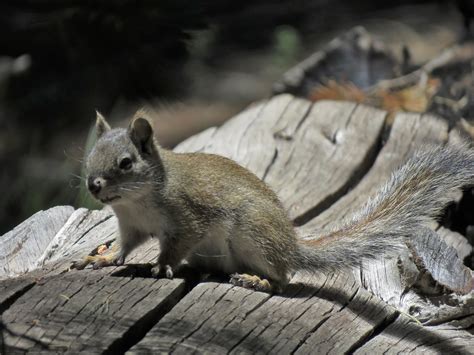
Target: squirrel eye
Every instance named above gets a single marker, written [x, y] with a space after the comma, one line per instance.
[125, 164]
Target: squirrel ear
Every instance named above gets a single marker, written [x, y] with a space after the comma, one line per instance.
[101, 125]
[141, 134]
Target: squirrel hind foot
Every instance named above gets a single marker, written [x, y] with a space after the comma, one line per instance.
[253, 282]
[100, 261]
[84, 262]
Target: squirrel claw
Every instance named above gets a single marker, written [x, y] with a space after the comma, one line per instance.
[97, 266]
[157, 271]
[251, 282]
[119, 261]
[104, 261]
[78, 265]
[169, 272]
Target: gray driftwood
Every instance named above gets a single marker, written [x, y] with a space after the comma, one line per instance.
[323, 159]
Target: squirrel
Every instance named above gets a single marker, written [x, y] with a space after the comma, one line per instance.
[221, 218]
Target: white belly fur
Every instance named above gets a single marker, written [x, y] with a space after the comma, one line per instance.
[213, 253]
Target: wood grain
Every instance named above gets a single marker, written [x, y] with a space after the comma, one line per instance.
[323, 160]
[220, 318]
[21, 248]
[88, 312]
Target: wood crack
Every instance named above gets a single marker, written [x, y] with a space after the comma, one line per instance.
[92, 227]
[10, 300]
[258, 305]
[200, 325]
[376, 331]
[312, 330]
[142, 326]
[272, 162]
[245, 336]
[356, 177]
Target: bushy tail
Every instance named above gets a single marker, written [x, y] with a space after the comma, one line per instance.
[415, 193]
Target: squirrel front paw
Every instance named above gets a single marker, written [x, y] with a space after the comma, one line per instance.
[80, 264]
[99, 261]
[119, 260]
[112, 260]
[159, 271]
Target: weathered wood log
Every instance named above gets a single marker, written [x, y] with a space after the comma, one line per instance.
[354, 57]
[357, 67]
[22, 248]
[328, 311]
[81, 312]
[323, 159]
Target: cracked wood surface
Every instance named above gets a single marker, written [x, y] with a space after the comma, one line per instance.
[21, 248]
[403, 337]
[327, 313]
[88, 312]
[407, 133]
[323, 159]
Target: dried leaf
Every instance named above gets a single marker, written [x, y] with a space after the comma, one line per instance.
[338, 91]
[414, 98]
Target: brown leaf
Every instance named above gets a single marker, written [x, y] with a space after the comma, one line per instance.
[337, 91]
[415, 98]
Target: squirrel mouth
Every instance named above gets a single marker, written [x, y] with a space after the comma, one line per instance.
[109, 199]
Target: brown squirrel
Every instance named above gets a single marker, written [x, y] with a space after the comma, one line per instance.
[220, 217]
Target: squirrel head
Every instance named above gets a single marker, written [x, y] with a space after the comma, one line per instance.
[124, 164]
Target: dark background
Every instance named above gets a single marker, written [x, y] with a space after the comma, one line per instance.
[192, 64]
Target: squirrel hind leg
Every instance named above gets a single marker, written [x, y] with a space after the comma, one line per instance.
[256, 283]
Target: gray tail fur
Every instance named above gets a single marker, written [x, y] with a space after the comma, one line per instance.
[415, 193]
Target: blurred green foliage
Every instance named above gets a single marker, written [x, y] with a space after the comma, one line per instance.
[287, 46]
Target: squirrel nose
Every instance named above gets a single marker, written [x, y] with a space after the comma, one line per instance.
[94, 184]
